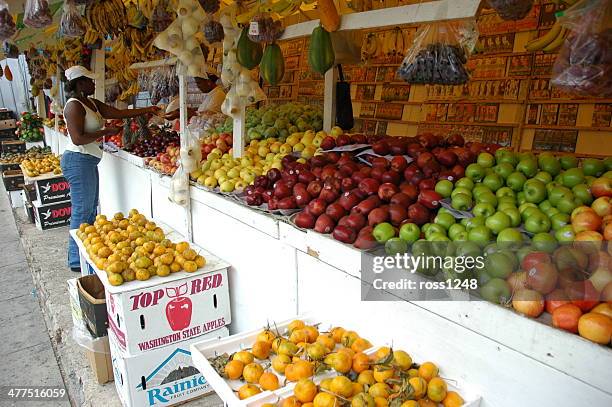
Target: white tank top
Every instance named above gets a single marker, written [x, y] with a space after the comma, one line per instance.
[93, 122]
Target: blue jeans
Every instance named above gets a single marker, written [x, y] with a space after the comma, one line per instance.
[81, 172]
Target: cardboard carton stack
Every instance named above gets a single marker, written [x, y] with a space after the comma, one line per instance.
[151, 325]
[51, 207]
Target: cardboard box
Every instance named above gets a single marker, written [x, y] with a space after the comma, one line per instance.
[52, 190]
[16, 198]
[101, 362]
[13, 180]
[160, 377]
[52, 216]
[75, 304]
[8, 124]
[93, 304]
[13, 146]
[168, 312]
[145, 315]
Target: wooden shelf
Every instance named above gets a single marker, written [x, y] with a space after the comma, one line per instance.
[567, 153]
[554, 127]
[568, 101]
[506, 101]
[473, 124]
[397, 102]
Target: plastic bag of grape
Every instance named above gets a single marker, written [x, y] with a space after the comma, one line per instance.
[439, 53]
[584, 64]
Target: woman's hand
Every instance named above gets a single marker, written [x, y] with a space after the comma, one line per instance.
[153, 109]
[110, 131]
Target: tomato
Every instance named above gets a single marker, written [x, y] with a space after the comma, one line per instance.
[595, 327]
[555, 299]
[566, 317]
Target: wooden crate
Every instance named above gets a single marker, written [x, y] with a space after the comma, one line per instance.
[13, 146]
[13, 180]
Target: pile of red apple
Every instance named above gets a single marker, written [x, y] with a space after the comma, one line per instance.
[222, 141]
[340, 195]
[165, 162]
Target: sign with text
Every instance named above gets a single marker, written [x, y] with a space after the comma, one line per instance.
[52, 216]
[52, 190]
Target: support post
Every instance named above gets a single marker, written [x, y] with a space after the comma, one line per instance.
[58, 82]
[239, 133]
[183, 119]
[41, 109]
[329, 99]
[100, 71]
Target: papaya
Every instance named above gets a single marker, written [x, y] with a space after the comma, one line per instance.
[248, 52]
[7, 73]
[321, 54]
[272, 65]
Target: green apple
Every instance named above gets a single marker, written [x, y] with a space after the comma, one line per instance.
[572, 177]
[475, 172]
[558, 193]
[480, 234]
[529, 212]
[593, 167]
[468, 249]
[395, 245]
[503, 155]
[528, 167]
[589, 180]
[435, 228]
[506, 200]
[520, 198]
[480, 189]
[544, 242]
[558, 220]
[549, 164]
[460, 237]
[565, 234]
[568, 205]
[552, 212]
[409, 232]
[607, 174]
[461, 190]
[471, 223]
[437, 237]
[583, 194]
[510, 255]
[425, 227]
[545, 205]
[503, 204]
[444, 210]
[464, 182]
[461, 202]
[552, 185]
[483, 209]
[487, 197]
[496, 290]
[543, 176]
[490, 249]
[568, 161]
[498, 222]
[516, 180]
[444, 188]
[485, 160]
[504, 169]
[505, 191]
[498, 265]
[608, 163]
[227, 186]
[493, 182]
[383, 232]
[511, 238]
[455, 229]
[559, 179]
[483, 277]
[535, 190]
[526, 205]
[524, 251]
[537, 222]
[514, 215]
[445, 220]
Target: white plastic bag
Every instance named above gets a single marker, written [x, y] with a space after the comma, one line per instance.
[37, 14]
[71, 24]
[191, 151]
[179, 187]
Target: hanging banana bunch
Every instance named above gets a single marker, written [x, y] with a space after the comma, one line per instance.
[108, 17]
[549, 42]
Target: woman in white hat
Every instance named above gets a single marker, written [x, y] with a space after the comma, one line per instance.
[85, 118]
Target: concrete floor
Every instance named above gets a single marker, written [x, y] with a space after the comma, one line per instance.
[35, 317]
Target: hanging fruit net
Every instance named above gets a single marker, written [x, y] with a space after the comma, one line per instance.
[37, 14]
[71, 24]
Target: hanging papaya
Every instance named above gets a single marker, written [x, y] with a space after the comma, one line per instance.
[248, 52]
[328, 14]
[272, 65]
[321, 54]
[7, 73]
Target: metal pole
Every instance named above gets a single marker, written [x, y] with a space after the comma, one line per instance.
[183, 118]
[239, 130]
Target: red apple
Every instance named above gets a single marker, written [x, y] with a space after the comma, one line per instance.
[542, 277]
[427, 183]
[399, 164]
[343, 140]
[386, 191]
[369, 186]
[314, 188]
[455, 140]
[378, 215]
[348, 200]
[324, 224]
[367, 205]
[410, 190]
[418, 213]
[391, 176]
[528, 302]
[281, 189]
[424, 158]
[335, 211]
[304, 220]
[602, 187]
[381, 147]
[397, 214]
[533, 258]
[328, 143]
[365, 240]
[447, 158]
[329, 195]
[429, 198]
[401, 199]
[302, 198]
[356, 221]
[344, 234]
[583, 294]
[602, 206]
[317, 207]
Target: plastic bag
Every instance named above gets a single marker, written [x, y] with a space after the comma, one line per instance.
[71, 24]
[584, 64]
[37, 14]
[511, 9]
[439, 53]
[191, 151]
[179, 187]
[7, 23]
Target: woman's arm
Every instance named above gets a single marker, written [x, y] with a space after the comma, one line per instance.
[112, 113]
[74, 114]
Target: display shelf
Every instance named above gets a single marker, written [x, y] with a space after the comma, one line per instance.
[581, 155]
[555, 127]
[468, 100]
[570, 101]
[473, 124]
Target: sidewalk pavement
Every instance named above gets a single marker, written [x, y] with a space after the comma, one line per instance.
[45, 254]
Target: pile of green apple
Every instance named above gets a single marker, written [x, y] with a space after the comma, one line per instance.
[510, 195]
[278, 121]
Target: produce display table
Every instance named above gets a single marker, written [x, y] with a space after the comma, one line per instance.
[279, 271]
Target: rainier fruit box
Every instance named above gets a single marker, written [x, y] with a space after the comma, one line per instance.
[162, 376]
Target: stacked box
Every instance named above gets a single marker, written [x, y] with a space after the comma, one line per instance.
[51, 205]
[152, 323]
[13, 146]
